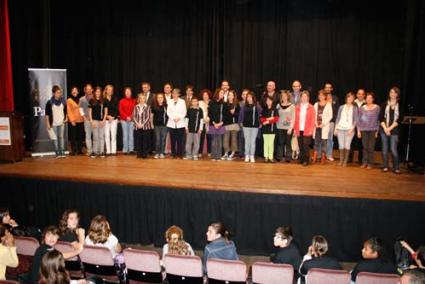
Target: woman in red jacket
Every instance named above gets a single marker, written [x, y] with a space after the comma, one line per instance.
[304, 126]
[125, 108]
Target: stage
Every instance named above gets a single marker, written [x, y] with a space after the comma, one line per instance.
[142, 197]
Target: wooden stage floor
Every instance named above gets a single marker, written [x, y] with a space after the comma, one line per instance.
[289, 179]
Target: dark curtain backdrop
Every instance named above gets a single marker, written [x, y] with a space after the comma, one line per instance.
[141, 215]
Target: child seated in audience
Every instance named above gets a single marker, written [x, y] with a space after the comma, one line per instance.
[373, 259]
[317, 257]
[219, 244]
[69, 228]
[53, 271]
[413, 276]
[8, 256]
[50, 238]
[194, 126]
[287, 252]
[6, 220]
[100, 234]
[418, 256]
[176, 243]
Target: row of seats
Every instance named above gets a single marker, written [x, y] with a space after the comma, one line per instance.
[143, 266]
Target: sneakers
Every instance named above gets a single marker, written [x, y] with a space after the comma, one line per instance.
[252, 159]
[187, 158]
[224, 157]
[266, 160]
[195, 158]
[246, 159]
[92, 155]
[162, 156]
[102, 155]
[231, 156]
[156, 156]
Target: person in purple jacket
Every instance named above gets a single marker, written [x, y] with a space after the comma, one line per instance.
[367, 128]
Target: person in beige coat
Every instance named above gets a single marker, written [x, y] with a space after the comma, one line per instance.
[323, 117]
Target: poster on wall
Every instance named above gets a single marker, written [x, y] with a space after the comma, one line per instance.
[41, 82]
[5, 137]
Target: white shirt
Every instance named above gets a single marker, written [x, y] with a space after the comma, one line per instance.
[111, 243]
[58, 115]
[303, 115]
[346, 119]
[176, 109]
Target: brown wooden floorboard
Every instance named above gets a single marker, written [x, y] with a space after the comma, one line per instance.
[290, 179]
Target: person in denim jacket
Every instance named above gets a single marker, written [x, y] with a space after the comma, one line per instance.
[219, 244]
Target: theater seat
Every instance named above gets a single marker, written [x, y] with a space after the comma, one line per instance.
[377, 278]
[226, 271]
[143, 266]
[9, 282]
[26, 245]
[326, 276]
[270, 273]
[98, 261]
[73, 265]
[183, 269]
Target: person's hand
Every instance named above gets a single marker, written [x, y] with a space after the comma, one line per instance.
[310, 251]
[350, 131]
[81, 233]
[102, 123]
[359, 134]
[232, 111]
[376, 134]
[266, 122]
[93, 125]
[9, 240]
[406, 246]
[73, 123]
[289, 131]
[187, 130]
[207, 119]
[199, 131]
[139, 125]
[336, 132]
[13, 223]
[48, 126]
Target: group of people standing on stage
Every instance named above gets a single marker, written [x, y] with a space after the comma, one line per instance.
[228, 124]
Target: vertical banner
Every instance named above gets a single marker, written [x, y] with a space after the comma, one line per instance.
[41, 82]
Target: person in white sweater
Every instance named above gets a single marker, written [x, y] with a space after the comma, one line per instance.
[176, 112]
[8, 255]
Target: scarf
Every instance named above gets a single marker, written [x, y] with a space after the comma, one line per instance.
[387, 113]
[56, 102]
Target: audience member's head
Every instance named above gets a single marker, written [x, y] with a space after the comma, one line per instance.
[413, 276]
[50, 236]
[282, 237]
[319, 246]
[176, 244]
[52, 269]
[217, 230]
[372, 248]
[99, 230]
[69, 221]
[4, 215]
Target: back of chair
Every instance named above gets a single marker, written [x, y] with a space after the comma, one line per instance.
[270, 273]
[143, 266]
[98, 261]
[65, 247]
[229, 271]
[377, 278]
[8, 282]
[189, 266]
[26, 245]
[326, 276]
[73, 265]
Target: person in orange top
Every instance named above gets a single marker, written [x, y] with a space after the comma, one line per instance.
[75, 122]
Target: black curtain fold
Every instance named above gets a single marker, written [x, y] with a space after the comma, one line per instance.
[140, 215]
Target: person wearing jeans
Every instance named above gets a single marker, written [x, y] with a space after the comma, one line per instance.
[284, 127]
[217, 110]
[205, 96]
[367, 129]
[55, 120]
[160, 119]
[194, 126]
[125, 108]
[249, 116]
[390, 119]
[111, 102]
[97, 114]
[346, 122]
[84, 107]
[231, 126]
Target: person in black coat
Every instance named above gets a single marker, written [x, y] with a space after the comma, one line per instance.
[373, 260]
[287, 251]
[317, 257]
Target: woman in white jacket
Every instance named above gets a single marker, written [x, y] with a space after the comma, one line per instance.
[323, 117]
[176, 112]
